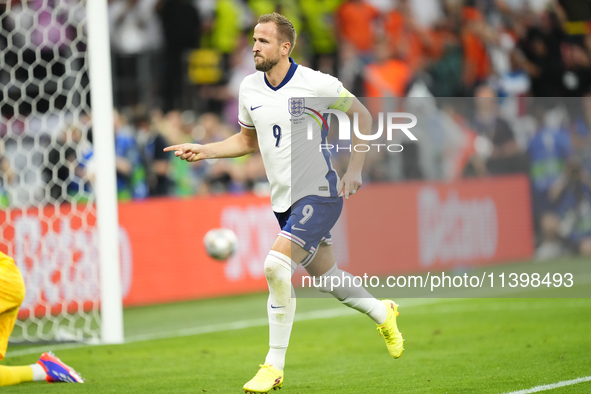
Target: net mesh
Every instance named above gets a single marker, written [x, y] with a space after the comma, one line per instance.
[47, 219]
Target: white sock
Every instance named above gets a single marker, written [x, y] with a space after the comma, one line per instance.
[354, 297]
[280, 306]
[38, 373]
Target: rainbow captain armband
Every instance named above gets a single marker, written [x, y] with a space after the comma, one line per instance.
[344, 102]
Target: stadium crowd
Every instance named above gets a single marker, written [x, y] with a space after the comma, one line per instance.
[178, 65]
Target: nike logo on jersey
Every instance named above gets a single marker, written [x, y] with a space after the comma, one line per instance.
[253, 108]
[275, 307]
[293, 227]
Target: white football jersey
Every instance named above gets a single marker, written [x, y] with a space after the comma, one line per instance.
[296, 167]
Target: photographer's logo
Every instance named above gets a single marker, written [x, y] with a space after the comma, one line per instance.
[391, 120]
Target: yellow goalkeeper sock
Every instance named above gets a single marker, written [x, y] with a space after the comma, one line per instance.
[15, 375]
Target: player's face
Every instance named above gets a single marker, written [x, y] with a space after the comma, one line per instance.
[266, 48]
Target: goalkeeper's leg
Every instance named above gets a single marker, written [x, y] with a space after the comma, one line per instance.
[12, 294]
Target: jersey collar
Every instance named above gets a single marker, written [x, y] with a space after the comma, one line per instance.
[290, 73]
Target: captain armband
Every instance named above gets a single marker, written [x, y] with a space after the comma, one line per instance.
[344, 102]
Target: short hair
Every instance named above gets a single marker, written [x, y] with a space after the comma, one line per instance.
[285, 30]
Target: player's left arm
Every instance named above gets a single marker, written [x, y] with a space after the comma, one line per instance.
[352, 180]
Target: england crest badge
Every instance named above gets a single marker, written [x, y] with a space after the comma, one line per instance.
[296, 106]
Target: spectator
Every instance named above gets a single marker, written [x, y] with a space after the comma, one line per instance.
[426, 13]
[182, 30]
[519, 8]
[151, 144]
[60, 162]
[187, 178]
[322, 30]
[576, 79]
[505, 157]
[476, 61]
[355, 20]
[227, 27]
[288, 8]
[581, 133]
[571, 193]
[351, 69]
[444, 145]
[500, 45]
[388, 76]
[446, 69]
[548, 151]
[131, 175]
[255, 176]
[68, 174]
[541, 47]
[514, 81]
[84, 171]
[225, 175]
[382, 49]
[242, 66]
[404, 33]
[43, 33]
[136, 38]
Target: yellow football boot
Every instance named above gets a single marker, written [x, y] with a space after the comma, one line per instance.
[389, 330]
[268, 377]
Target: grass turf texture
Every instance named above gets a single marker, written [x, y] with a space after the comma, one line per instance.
[452, 346]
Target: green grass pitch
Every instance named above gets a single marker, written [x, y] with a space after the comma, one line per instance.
[452, 346]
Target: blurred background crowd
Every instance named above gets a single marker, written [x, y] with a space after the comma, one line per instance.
[177, 66]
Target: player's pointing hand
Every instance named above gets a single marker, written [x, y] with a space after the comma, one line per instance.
[188, 152]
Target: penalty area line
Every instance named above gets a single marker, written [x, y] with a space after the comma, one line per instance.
[552, 386]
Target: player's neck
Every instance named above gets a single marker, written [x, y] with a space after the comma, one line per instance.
[276, 75]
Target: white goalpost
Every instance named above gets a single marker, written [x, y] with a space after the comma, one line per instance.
[58, 192]
[106, 187]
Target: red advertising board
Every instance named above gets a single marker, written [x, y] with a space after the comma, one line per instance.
[384, 229]
[416, 227]
[169, 259]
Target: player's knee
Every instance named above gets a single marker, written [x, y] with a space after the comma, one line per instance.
[276, 264]
[271, 268]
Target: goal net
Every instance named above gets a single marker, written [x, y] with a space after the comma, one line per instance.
[48, 213]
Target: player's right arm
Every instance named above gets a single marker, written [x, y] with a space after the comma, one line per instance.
[237, 145]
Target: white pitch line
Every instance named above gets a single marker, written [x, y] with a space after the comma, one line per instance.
[44, 348]
[552, 386]
[219, 327]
